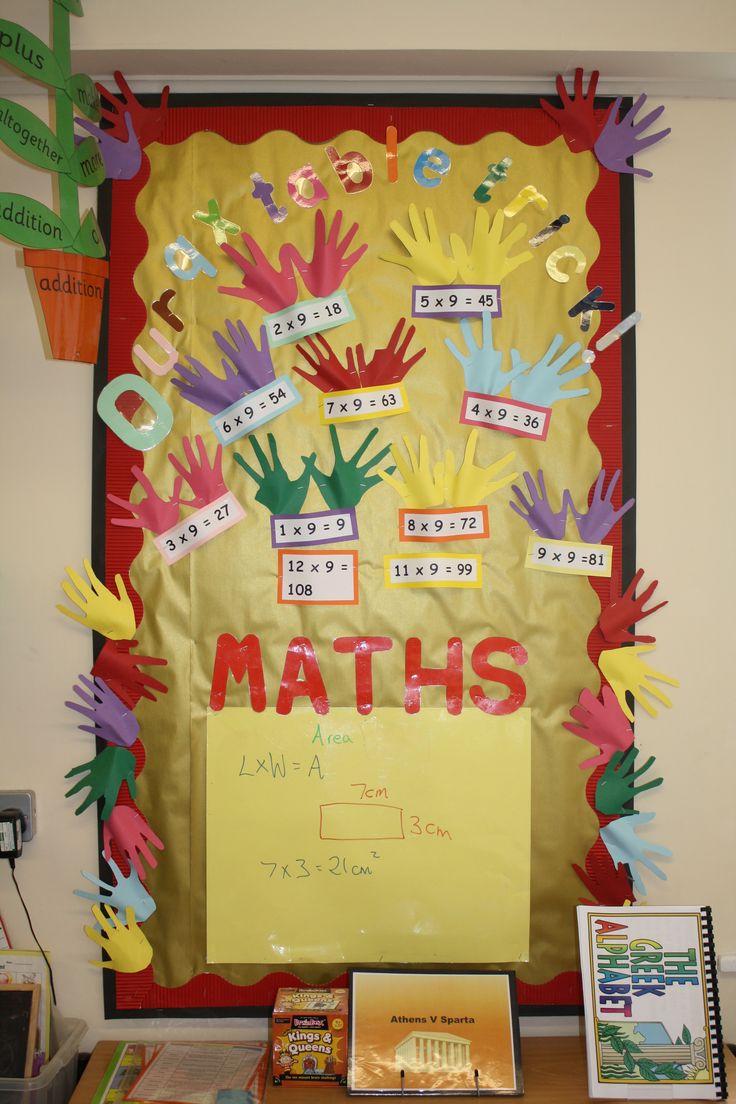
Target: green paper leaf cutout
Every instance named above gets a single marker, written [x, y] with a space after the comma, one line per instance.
[27, 222]
[28, 137]
[82, 91]
[89, 241]
[87, 165]
[26, 52]
[73, 6]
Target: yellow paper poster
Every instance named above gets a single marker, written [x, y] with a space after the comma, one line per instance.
[385, 838]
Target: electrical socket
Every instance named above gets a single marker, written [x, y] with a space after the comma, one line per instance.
[25, 800]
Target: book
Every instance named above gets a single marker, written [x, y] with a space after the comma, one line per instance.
[197, 1073]
[123, 1070]
[650, 991]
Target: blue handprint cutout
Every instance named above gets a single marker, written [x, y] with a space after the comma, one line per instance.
[624, 846]
[544, 383]
[127, 892]
[481, 364]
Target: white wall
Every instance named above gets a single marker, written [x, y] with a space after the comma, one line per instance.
[686, 532]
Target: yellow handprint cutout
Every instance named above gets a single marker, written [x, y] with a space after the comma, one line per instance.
[423, 484]
[472, 483]
[125, 944]
[488, 261]
[101, 610]
[426, 257]
[624, 670]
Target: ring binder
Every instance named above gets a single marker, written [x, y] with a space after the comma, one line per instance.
[714, 1006]
[652, 1015]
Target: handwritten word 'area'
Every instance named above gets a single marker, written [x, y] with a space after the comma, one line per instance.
[302, 675]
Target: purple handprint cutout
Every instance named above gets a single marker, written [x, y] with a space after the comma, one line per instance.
[619, 141]
[112, 719]
[122, 156]
[595, 525]
[203, 388]
[536, 510]
[253, 365]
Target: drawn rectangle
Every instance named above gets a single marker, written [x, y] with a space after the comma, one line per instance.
[350, 820]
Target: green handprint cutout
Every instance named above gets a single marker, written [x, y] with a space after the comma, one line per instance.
[105, 775]
[617, 785]
[348, 481]
[276, 491]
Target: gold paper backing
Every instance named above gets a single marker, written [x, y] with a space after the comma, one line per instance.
[229, 585]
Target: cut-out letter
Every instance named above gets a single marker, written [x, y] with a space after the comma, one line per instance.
[185, 261]
[451, 676]
[354, 170]
[161, 307]
[433, 161]
[363, 647]
[305, 187]
[147, 437]
[171, 354]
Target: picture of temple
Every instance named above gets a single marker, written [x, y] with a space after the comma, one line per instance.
[432, 1051]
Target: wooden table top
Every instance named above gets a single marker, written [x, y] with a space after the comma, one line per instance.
[554, 1073]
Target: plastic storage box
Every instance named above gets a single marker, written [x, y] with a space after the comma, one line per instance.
[57, 1080]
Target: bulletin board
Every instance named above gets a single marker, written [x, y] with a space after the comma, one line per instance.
[360, 757]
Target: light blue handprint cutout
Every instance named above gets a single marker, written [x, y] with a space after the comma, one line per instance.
[127, 892]
[624, 846]
[544, 383]
[482, 363]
